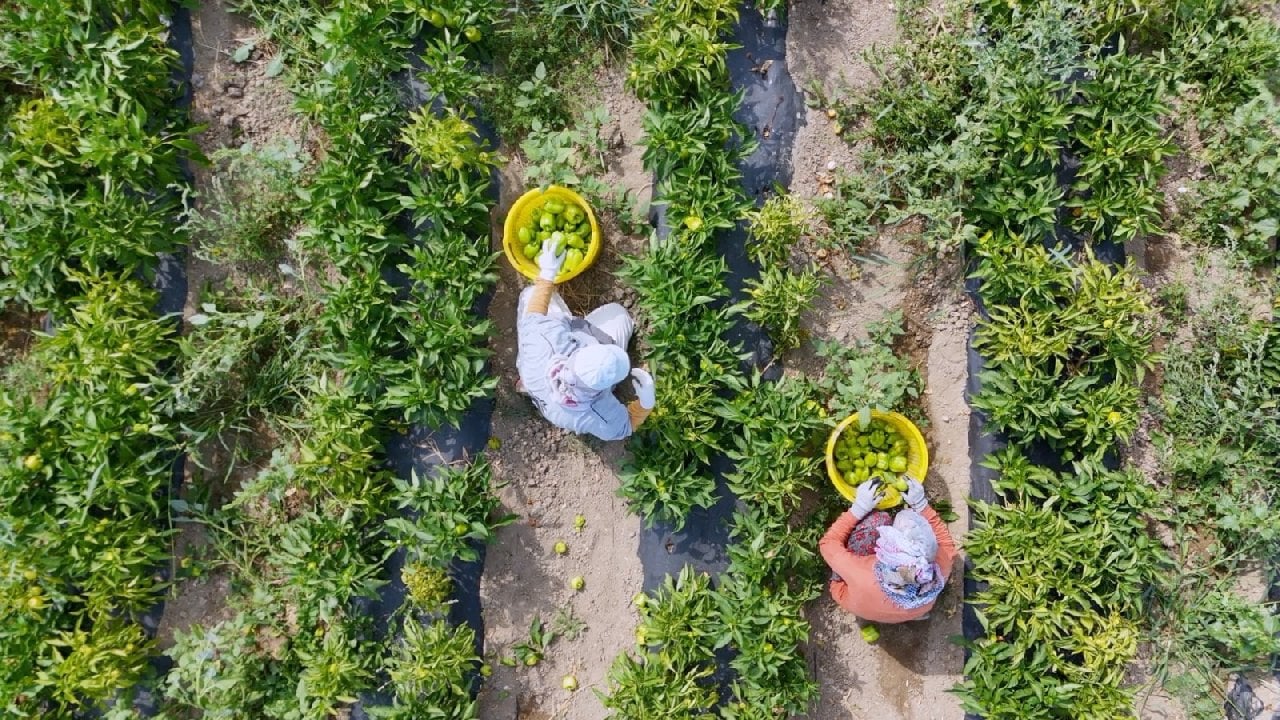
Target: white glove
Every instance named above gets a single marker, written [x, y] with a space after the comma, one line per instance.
[866, 497]
[915, 494]
[646, 393]
[549, 263]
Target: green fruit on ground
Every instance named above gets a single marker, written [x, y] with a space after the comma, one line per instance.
[569, 683]
[531, 660]
[577, 583]
[561, 547]
[870, 633]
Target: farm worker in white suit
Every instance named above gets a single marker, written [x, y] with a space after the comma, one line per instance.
[569, 365]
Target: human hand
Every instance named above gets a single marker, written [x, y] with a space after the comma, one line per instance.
[646, 392]
[865, 498]
[549, 263]
[915, 494]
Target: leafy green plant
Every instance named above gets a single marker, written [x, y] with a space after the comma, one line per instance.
[84, 171]
[558, 94]
[428, 586]
[451, 512]
[775, 227]
[83, 468]
[247, 358]
[1238, 205]
[779, 299]
[612, 22]
[444, 143]
[1063, 369]
[430, 670]
[557, 157]
[868, 373]
[248, 211]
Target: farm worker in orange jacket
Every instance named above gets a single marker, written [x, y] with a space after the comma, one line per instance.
[569, 365]
[888, 571]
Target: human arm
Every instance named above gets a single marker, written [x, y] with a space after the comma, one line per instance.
[834, 548]
[549, 264]
[946, 544]
[540, 298]
[646, 397]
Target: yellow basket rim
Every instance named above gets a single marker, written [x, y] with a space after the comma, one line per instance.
[917, 449]
[516, 257]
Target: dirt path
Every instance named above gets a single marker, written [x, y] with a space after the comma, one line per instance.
[549, 476]
[238, 103]
[908, 672]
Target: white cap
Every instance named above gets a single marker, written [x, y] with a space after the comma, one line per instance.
[600, 367]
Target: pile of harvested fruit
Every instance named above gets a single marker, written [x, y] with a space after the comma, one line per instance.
[562, 222]
[874, 448]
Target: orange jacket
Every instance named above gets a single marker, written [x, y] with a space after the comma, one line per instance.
[857, 589]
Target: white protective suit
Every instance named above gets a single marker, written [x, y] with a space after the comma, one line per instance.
[546, 344]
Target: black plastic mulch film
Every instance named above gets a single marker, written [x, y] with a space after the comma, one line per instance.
[771, 110]
[424, 450]
[170, 282]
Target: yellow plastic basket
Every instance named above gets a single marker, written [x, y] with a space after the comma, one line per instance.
[519, 216]
[917, 453]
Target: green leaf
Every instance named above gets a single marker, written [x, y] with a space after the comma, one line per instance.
[242, 53]
[276, 66]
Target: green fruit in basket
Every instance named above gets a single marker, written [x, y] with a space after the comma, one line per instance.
[899, 483]
[573, 259]
[525, 235]
[572, 215]
[553, 206]
[869, 459]
[547, 222]
[898, 464]
[543, 236]
[530, 251]
[882, 461]
[574, 240]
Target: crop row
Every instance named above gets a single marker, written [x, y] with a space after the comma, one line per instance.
[89, 147]
[90, 430]
[693, 144]
[1065, 558]
[307, 539]
[750, 620]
